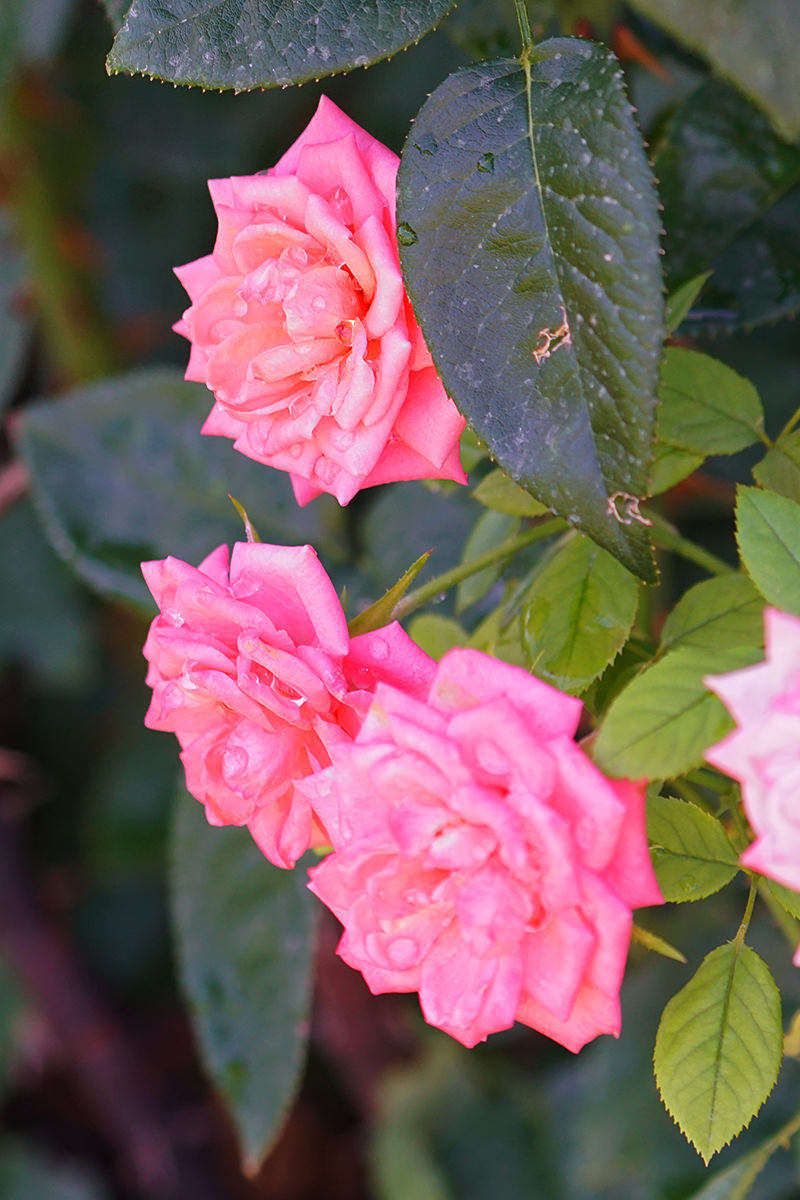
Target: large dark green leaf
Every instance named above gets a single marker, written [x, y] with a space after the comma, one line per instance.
[731, 195]
[244, 44]
[752, 42]
[244, 933]
[121, 473]
[529, 244]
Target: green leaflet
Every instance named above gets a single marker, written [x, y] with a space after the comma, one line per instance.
[244, 935]
[528, 234]
[768, 533]
[243, 44]
[719, 1047]
[692, 854]
[715, 615]
[665, 720]
[705, 406]
[779, 469]
[577, 614]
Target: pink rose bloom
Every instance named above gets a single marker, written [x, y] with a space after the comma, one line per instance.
[301, 327]
[763, 753]
[252, 667]
[481, 859]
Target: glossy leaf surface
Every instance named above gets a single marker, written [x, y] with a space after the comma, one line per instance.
[121, 473]
[243, 44]
[731, 194]
[529, 241]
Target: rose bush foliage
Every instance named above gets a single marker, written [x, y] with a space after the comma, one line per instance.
[301, 327]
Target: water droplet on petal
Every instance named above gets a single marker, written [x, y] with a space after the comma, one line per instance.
[402, 952]
[491, 758]
[296, 450]
[380, 648]
[319, 303]
[406, 236]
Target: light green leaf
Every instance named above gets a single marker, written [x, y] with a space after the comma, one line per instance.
[692, 854]
[719, 1047]
[665, 720]
[244, 934]
[670, 465]
[528, 237]
[768, 533]
[779, 469]
[578, 614]
[491, 529]
[243, 44]
[681, 300]
[436, 635]
[705, 406]
[785, 896]
[751, 42]
[715, 614]
[498, 492]
[121, 473]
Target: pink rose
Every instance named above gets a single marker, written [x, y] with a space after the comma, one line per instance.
[301, 327]
[764, 752]
[253, 668]
[481, 859]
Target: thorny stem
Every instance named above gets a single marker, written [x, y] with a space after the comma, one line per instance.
[448, 579]
[669, 538]
[524, 26]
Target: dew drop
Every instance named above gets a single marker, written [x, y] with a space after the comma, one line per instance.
[486, 163]
[379, 648]
[427, 144]
[406, 236]
[319, 303]
[402, 952]
[343, 439]
[296, 450]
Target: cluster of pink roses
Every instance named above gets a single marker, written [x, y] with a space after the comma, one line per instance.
[479, 857]
[475, 854]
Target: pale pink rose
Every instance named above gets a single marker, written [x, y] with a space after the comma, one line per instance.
[301, 327]
[251, 665]
[763, 753]
[481, 859]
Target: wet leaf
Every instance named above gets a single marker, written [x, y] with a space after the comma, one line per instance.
[537, 282]
[243, 44]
